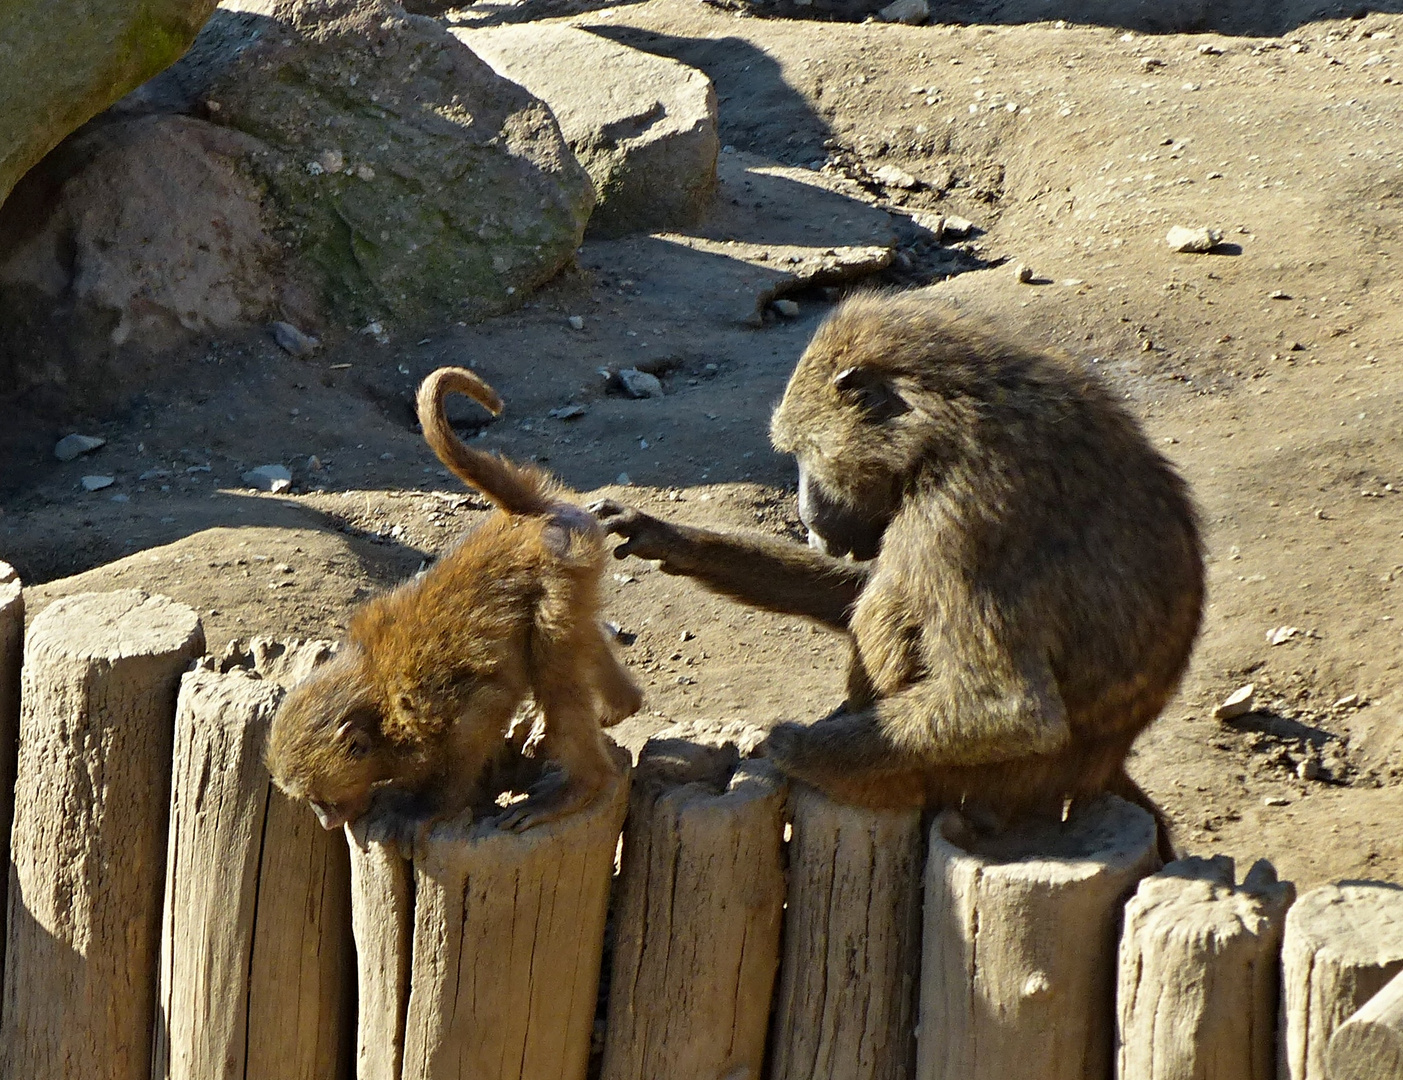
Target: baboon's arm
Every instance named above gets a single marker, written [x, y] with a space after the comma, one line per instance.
[928, 724]
[775, 575]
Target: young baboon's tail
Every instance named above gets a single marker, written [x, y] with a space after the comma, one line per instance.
[515, 489]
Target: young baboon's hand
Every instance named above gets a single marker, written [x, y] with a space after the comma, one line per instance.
[644, 535]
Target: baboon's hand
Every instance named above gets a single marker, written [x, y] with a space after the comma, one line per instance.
[644, 535]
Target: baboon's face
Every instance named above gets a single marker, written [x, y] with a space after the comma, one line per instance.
[836, 528]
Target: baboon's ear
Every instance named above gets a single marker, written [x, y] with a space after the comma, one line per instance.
[868, 391]
[353, 739]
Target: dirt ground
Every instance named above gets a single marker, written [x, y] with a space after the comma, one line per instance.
[1269, 371]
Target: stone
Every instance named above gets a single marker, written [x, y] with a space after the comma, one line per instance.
[1023, 273]
[405, 173]
[573, 411]
[788, 308]
[155, 232]
[576, 322]
[73, 446]
[640, 384]
[643, 126]
[907, 12]
[274, 478]
[61, 70]
[1195, 241]
[890, 175]
[97, 483]
[1238, 703]
[292, 340]
[955, 227]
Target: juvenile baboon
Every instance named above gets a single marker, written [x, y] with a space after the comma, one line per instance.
[416, 704]
[1028, 574]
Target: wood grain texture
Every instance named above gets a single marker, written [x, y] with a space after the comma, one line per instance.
[1369, 1045]
[11, 660]
[1342, 944]
[256, 958]
[1019, 966]
[508, 939]
[698, 912]
[1199, 973]
[382, 917]
[87, 870]
[852, 943]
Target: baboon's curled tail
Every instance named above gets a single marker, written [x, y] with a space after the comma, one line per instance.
[515, 489]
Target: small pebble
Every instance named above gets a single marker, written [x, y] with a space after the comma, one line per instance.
[956, 226]
[1278, 294]
[788, 308]
[97, 483]
[119, 498]
[292, 340]
[1236, 704]
[1196, 241]
[273, 478]
[1349, 701]
[1022, 273]
[891, 176]
[74, 446]
[1282, 634]
[1308, 769]
[1209, 50]
[568, 412]
[906, 12]
[576, 322]
[623, 479]
[640, 384]
[1275, 800]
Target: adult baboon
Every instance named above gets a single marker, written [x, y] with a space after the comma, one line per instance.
[1027, 575]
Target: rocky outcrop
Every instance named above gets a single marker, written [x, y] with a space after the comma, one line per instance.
[644, 126]
[63, 64]
[155, 228]
[406, 173]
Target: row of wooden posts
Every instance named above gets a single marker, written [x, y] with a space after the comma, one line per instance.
[169, 915]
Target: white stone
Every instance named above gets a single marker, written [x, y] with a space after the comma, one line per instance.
[1236, 704]
[640, 384]
[908, 12]
[97, 483]
[274, 478]
[1193, 240]
[72, 446]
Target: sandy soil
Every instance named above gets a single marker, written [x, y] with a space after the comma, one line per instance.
[1269, 371]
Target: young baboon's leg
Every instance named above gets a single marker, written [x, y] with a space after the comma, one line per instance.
[619, 696]
[772, 574]
[566, 695]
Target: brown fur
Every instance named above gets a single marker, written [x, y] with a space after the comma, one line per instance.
[419, 700]
[1035, 579]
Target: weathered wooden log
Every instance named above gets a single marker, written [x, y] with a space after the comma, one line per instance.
[11, 657]
[256, 958]
[508, 936]
[1369, 1045]
[1342, 944]
[1019, 966]
[382, 916]
[87, 868]
[1199, 973]
[698, 912]
[852, 943]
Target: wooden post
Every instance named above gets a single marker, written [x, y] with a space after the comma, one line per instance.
[382, 916]
[256, 970]
[101, 671]
[1199, 973]
[1018, 973]
[697, 920]
[1342, 944]
[852, 943]
[1369, 1045]
[508, 936]
[11, 656]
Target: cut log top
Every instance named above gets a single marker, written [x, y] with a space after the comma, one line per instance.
[1198, 897]
[1361, 924]
[1369, 1046]
[114, 626]
[1110, 835]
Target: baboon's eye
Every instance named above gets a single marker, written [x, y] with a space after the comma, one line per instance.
[869, 392]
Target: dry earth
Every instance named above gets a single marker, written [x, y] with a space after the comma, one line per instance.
[1269, 371]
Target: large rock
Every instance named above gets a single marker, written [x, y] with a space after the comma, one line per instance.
[63, 64]
[153, 229]
[409, 174]
[644, 126]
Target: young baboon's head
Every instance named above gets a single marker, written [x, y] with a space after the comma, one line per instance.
[323, 745]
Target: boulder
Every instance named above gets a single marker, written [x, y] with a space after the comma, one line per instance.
[643, 126]
[153, 228]
[408, 175]
[59, 70]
